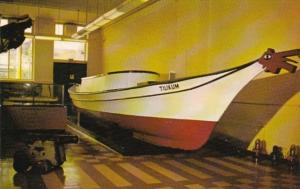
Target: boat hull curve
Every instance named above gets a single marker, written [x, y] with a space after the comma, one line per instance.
[174, 133]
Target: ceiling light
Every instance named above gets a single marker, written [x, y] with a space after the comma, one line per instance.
[113, 14]
[100, 21]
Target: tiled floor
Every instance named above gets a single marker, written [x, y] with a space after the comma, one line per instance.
[91, 165]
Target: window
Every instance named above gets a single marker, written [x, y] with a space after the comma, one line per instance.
[14, 64]
[27, 59]
[4, 56]
[4, 65]
[66, 50]
[17, 63]
[59, 29]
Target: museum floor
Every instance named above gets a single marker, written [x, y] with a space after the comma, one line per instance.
[91, 165]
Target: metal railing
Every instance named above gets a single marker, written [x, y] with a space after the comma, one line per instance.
[31, 94]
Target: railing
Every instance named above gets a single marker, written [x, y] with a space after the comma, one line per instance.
[31, 94]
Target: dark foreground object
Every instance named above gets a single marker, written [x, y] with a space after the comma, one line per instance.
[42, 151]
[12, 34]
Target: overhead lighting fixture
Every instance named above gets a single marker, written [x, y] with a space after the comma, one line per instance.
[91, 28]
[100, 21]
[113, 14]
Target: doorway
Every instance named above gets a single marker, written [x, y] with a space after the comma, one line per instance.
[68, 74]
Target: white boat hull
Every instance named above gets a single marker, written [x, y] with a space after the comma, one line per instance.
[178, 114]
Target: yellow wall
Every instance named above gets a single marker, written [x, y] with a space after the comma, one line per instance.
[158, 38]
[43, 51]
[95, 54]
[43, 58]
[284, 127]
[200, 36]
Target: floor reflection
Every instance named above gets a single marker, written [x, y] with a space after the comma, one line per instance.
[90, 165]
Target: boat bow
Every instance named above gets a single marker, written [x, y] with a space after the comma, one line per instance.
[179, 113]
